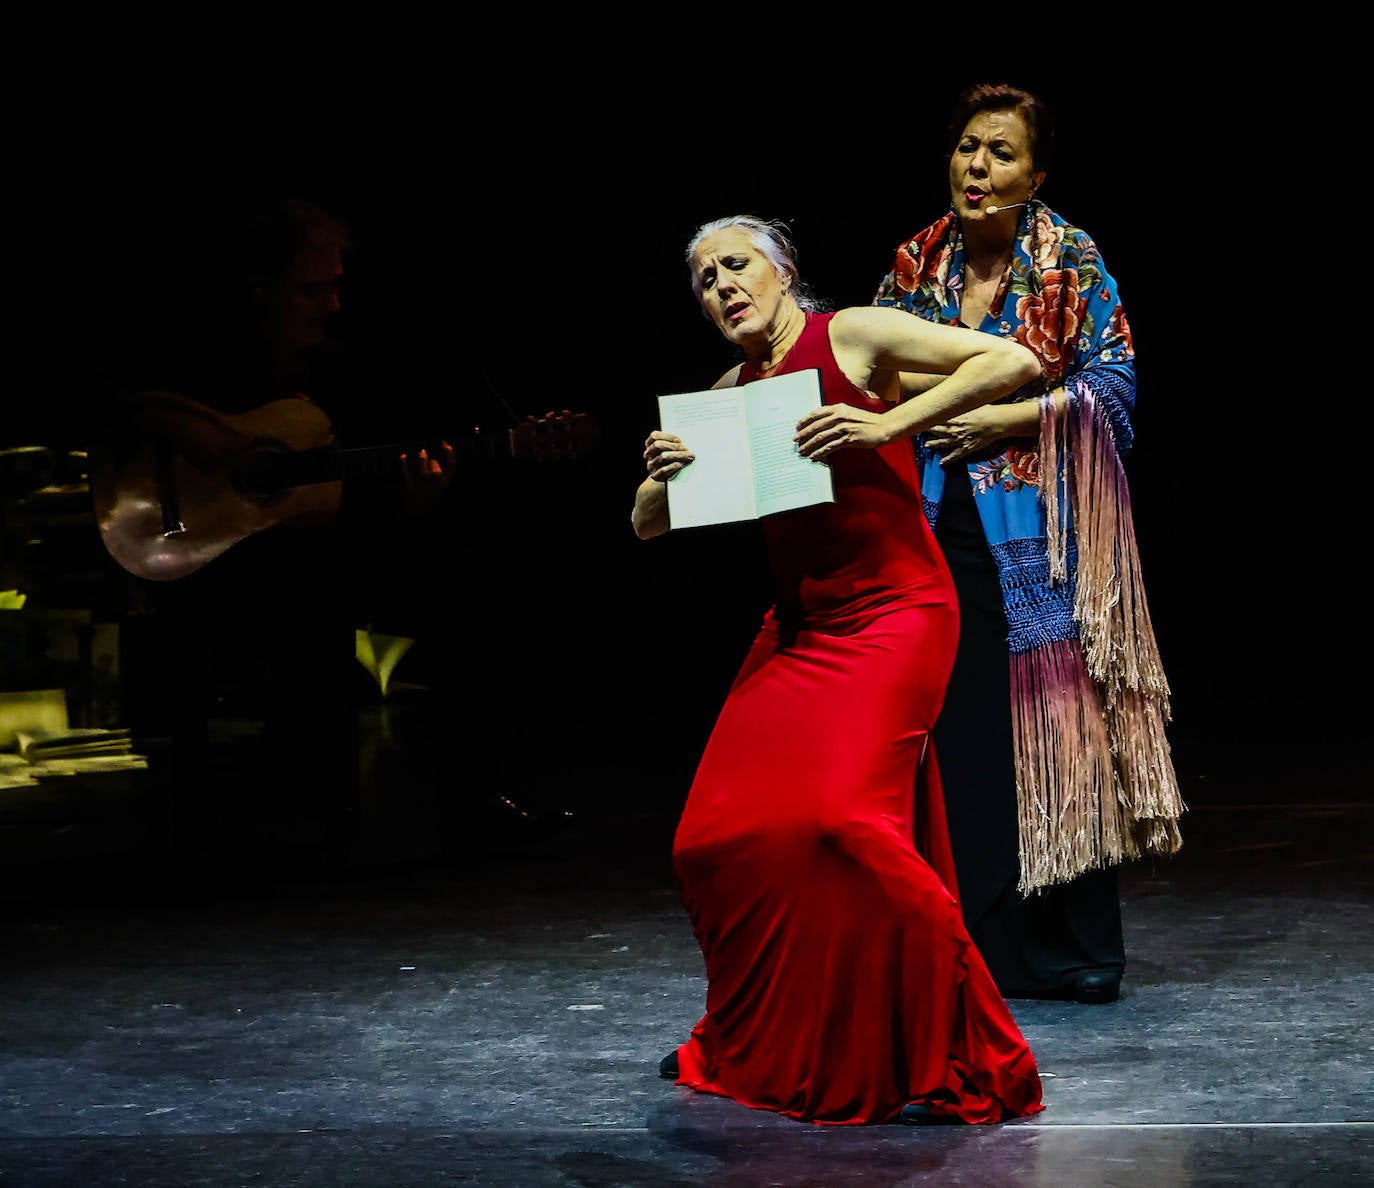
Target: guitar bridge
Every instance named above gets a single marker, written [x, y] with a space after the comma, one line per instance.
[172, 526]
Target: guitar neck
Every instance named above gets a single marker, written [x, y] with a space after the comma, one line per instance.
[382, 461]
[271, 470]
[266, 468]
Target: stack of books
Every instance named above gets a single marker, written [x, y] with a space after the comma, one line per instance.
[37, 739]
[77, 750]
[40, 745]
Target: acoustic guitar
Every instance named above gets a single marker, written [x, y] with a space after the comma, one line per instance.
[190, 482]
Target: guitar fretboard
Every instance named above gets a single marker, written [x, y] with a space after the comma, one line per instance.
[270, 470]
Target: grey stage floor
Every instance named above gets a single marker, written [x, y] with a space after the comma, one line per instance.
[493, 1014]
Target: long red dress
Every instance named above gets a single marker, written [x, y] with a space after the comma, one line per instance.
[841, 982]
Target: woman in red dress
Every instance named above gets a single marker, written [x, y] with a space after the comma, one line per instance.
[842, 986]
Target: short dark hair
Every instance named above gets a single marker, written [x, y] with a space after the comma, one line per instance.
[278, 232]
[1005, 97]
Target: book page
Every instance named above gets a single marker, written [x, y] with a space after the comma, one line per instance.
[746, 463]
[718, 486]
[32, 711]
[783, 479]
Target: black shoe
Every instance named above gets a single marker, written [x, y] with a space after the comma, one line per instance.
[667, 1067]
[1096, 986]
[918, 1113]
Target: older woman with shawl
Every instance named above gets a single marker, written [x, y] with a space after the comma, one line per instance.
[1050, 789]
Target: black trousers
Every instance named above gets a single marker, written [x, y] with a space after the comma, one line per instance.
[1036, 944]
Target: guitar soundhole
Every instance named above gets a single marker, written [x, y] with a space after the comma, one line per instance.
[263, 473]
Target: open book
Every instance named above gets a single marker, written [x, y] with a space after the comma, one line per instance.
[746, 463]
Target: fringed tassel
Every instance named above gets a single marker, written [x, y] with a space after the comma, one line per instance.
[1110, 607]
[1090, 717]
[1053, 431]
[1145, 770]
[1072, 814]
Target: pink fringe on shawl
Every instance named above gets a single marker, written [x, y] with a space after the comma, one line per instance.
[1095, 778]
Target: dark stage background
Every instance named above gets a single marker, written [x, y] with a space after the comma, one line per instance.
[519, 247]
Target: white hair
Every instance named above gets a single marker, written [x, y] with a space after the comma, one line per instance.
[773, 239]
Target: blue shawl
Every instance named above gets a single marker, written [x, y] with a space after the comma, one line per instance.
[1095, 779]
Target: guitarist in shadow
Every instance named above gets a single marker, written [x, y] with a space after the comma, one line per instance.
[239, 648]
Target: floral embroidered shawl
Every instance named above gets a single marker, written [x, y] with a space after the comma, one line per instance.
[1094, 776]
